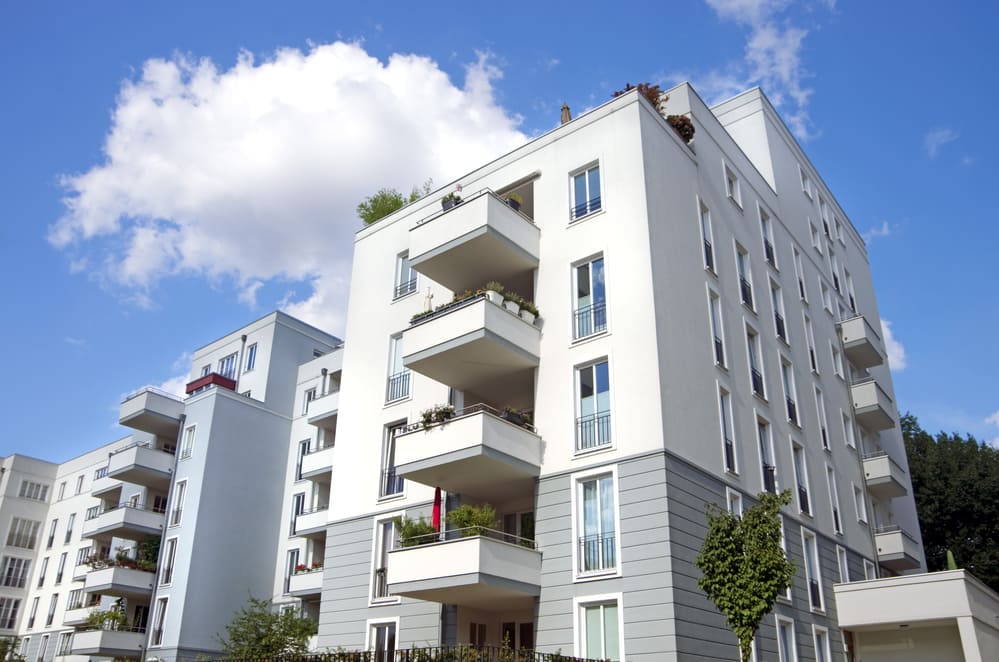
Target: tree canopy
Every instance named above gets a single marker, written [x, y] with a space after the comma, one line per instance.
[955, 481]
[387, 200]
[258, 631]
[744, 566]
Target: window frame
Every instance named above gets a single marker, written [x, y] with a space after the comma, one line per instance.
[726, 428]
[843, 564]
[177, 499]
[818, 630]
[716, 327]
[834, 503]
[398, 383]
[733, 501]
[860, 503]
[767, 234]
[228, 365]
[600, 428]
[807, 534]
[793, 653]
[377, 552]
[708, 256]
[754, 360]
[588, 204]
[369, 630]
[387, 464]
[733, 186]
[744, 271]
[576, 504]
[801, 479]
[580, 604]
[595, 306]
[806, 182]
[764, 428]
[187, 445]
[169, 559]
[251, 358]
[159, 621]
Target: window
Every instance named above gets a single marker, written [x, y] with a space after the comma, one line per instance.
[62, 568]
[826, 296]
[82, 555]
[767, 230]
[755, 363]
[870, 570]
[834, 272]
[297, 508]
[850, 292]
[725, 418]
[860, 503]
[79, 484]
[834, 499]
[593, 422]
[824, 214]
[206, 370]
[717, 334]
[790, 390]
[585, 192]
[600, 630]
[25, 642]
[42, 646]
[733, 501]
[303, 450]
[843, 563]
[291, 567]
[166, 574]
[732, 188]
[15, 572]
[23, 533]
[787, 648]
[767, 463]
[821, 637]
[33, 490]
[390, 483]
[591, 299]
[158, 621]
[62, 490]
[398, 379]
[383, 641]
[816, 238]
[75, 599]
[799, 274]
[786, 595]
[32, 613]
[251, 358]
[780, 327]
[837, 359]
[42, 568]
[307, 398]
[820, 407]
[707, 238]
[187, 447]
[52, 531]
[65, 643]
[848, 430]
[810, 340]
[596, 519]
[745, 276]
[53, 601]
[813, 577]
[227, 365]
[178, 502]
[405, 277]
[806, 182]
[69, 528]
[801, 476]
[386, 540]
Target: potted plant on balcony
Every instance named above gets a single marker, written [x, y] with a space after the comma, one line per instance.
[511, 301]
[472, 520]
[414, 532]
[528, 311]
[450, 200]
[515, 200]
[516, 416]
[494, 292]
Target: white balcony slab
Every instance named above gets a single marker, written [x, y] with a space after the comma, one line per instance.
[142, 465]
[860, 342]
[306, 584]
[475, 572]
[108, 643]
[76, 616]
[872, 406]
[125, 522]
[154, 411]
[897, 550]
[885, 478]
[480, 240]
[323, 408]
[120, 583]
[109, 489]
[479, 454]
[318, 465]
[312, 524]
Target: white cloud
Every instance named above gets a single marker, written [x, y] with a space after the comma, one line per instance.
[937, 138]
[250, 175]
[993, 419]
[878, 232]
[895, 350]
[176, 385]
[75, 342]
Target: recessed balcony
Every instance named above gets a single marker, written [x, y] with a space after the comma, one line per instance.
[152, 410]
[306, 584]
[77, 614]
[125, 521]
[897, 549]
[860, 342]
[477, 453]
[476, 346]
[318, 464]
[479, 240]
[312, 523]
[871, 405]
[116, 644]
[105, 487]
[885, 478]
[141, 464]
[120, 582]
[323, 408]
[480, 572]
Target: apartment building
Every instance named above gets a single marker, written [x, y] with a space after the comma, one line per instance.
[706, 330]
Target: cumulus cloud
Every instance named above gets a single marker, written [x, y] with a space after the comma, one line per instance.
[250, 175]
[993, 419]
[937, 138]
[895, 350]
[877, 232]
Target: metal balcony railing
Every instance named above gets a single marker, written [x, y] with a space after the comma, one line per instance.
[391, 483]
[593, 431]
[584, 208]
[408, 287]
[381, 583]
[397, 386]
[709, 255]
[770, 478]
[589, 320]
[757, 380]
[792, 411]
[803, 500]
[779, 325]
[747, 292]
[729, 455]
[814, 594]
[598, 552]
[768, 251]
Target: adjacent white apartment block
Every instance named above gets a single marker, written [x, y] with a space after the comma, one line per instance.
[693, 324]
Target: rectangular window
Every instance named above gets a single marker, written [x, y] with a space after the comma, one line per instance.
[745, 276]
[717, 332]
[848, 430]
[52, 531]
[62, 567]
[79, 484]
[843, 563]
[166, 574]
[708, 238]
[53, 602]
[837, 360]
[733, 501]
[826, 296]
[291, 568]
[767, 462]
[777, 299]
[590, 314]
[33, 613]
[806, 182]
[850, 292]
[307, 398]
[767, 230]
[593, 421]
[383, 642]
[25, 643]
[834, 272]
[386, 540]
[65, 643]
[799, 274]
[69, 528]
[822, 651]
[585, 192]
[596, 519]
[158, 622]
[75, 599]
[820, 407]
[870, 570]
[23, 533]
[787, 648]
[755, 363]
[391, 484]
[206, 370]
[813, 576]
[33, 490]
[178, 502]
[42, 647]
[398, 379]
[801, 477]
[824, 214]
[187, 446]
[790, 391]
[600, 631]
[732, 188]
[303, 450]
[227, 366]
[82, 555]
[834, 499]
[813, 360]
[62, 490]
[405, 277]
[860, 503]
[251, 358]
[725, 419]
[816, 238]
[297, 508]
[15, 572]
[42, 569]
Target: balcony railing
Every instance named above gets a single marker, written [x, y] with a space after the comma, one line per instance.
[757, 380]
[381, 584]
[175, 515]
[747, 292]
[391, 483]
[408, 287]
[455, 653]
[729, 455]
[792, 411]
[589, 320]
[593, 431]
[768, 251]
[719, 352]
[770, 478]
[814, 594]
[598, 552]
[397, 386]
[803, 500]
[709, 255]
[210, 380]
[584, 208]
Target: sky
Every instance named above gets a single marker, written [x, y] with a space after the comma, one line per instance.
[172, 171]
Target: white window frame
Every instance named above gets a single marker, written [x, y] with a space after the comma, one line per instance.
[576, 481]
[744, 271]
[169, 560]
[870, 570]
[573, 207]
[179, 495]
[228, 365]
[406, 279]
[806, 182]
[187, 446]
[733, 187]
[79, 484]
[799, 274]
[592, 319]
[826, 295]
[766, 446]
[251, 358]
[848, 432]
[790, 391]
[396, 369]
[369, 629]
[43, 646]
[793, 653]
[716, 327]
[777, 300]
[61, 568]
[733, 501]
[813, 353]
[843, 563]
[767, 232]
[820, 407]
[579, 603]
[376, 553]
[837, 511]
[726, 427]
[707, 237]
[859, 502]
[815, 236]
[818, 631]
[837, 360]
[805, 536]
[601, 445]
[801, 479]
[755, 348]
[159, 618]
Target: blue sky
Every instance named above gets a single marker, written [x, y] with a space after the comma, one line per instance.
[171, 172]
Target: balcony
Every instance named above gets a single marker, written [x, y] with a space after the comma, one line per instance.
[479, 571]
[860, 342]
[477, 453]
[323, 408]
[152, 410]
[211, 380]
[306, 584]
[312, 523]
[897, 549]
[121, 582]
[479, 240]
[78, 615]
[885, 478]
[125, 521]
[475, 346]
[141, 464]
[318, 464]
[105, 487]
[109, 643]
[871, 405]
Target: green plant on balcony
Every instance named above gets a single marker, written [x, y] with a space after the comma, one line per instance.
[436, 415]
[414, 532]
[110, 619]
[515, 200]
[516, 416]
[528, 306]
[450, 200]
[472, 520]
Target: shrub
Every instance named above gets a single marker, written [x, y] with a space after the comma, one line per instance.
[472, 519]
[415, 532]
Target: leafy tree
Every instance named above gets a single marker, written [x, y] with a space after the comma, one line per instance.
[257, 631]
[743, 564]
[387, 200]
[10, 649]
[955, 481]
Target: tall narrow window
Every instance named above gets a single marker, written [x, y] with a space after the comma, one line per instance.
[733, 501]
[822, 651]
[405, 277]
[851, 294]
[767, 230]
[806, 182]
[755, 363]
[42, 569]
[787, 648]
[593, 422]
[62, 490]
[725, 418]
[601, 637]
[383, 642]
[43, 648]
[843, 564]
[52, 531]
[812, 573]
[159, 620]
[732, 188]
[780, 327]
[826, 296]
[227, 365]
[837, 360]
[169, 558]
[585, 192]
[307, 397]
[178, 502]
[33, 613]
[834, 272]
[707, 238]
[745, 276]
[297, 508]
[390, 483]
[385, 542]
[187, 447]
[790, 391]
[303, 450]
[820, 407]
[810, 339]
[799, 274]
[251, 357]
[801, 477]
[717, 333]
[590, 315]
[398, 379]
[816, 238]
[860, 503]
[79, 484]
[69, 528]
[767, 462]
[870, 570]
[834, 499]
[61, 569]
[597, 524]
[53, 602]
[848, 430]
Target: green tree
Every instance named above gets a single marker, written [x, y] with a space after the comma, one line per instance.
[258, 631]
[387, 200]
[743, 564]
[955, 481]
[10, 649]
